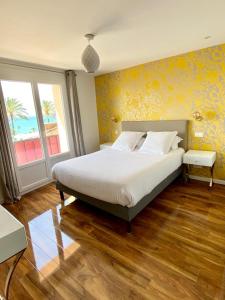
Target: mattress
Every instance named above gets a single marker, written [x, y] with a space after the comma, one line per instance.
[115, 176]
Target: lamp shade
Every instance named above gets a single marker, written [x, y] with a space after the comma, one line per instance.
[90, 59]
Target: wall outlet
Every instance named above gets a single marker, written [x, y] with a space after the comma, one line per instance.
[199, 134]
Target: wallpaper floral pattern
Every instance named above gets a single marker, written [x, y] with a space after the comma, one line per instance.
[171, 88]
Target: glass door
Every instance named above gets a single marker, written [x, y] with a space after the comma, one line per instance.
[26, 138]
[38, 126]
[23, 122]
[53, 118]
[56, 122]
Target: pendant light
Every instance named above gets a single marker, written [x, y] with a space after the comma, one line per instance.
[90, 58]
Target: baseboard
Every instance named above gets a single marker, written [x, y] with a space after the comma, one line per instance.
[207, 179]
[31, 188]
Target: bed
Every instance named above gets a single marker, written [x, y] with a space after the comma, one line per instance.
[119, 182]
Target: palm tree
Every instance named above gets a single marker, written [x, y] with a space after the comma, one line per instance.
[48, 109]
[14, 110]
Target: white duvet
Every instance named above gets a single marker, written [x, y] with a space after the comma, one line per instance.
[115, 176]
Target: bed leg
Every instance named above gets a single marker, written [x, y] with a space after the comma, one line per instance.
[129, 227]
[62, 199]
[61, 196]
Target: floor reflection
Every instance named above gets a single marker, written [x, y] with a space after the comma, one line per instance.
[50, 245]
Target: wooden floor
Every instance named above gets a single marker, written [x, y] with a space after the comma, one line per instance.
[176, 249]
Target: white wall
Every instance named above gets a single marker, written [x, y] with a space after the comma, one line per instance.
[88, 110]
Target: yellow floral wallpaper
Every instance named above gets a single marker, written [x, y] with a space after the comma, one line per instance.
[171, 88]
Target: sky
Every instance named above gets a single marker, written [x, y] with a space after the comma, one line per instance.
[22, 91]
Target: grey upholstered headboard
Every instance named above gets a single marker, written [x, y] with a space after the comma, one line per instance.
[181, 126]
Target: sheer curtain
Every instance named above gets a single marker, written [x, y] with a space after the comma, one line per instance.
[75, 113]
[8, 181]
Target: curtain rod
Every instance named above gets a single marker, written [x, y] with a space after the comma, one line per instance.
[34, 67]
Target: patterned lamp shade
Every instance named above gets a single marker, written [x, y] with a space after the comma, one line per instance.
[90, 58]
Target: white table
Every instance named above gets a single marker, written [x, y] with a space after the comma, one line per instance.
[13, 242]
[200, 158]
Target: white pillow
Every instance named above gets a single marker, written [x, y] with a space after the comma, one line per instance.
[127, 140]
[158, 142]
[175, 143]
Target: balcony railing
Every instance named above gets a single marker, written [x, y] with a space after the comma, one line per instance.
[30, 150]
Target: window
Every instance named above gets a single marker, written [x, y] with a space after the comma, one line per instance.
[22, 118]
[54, 118]
[37, 116]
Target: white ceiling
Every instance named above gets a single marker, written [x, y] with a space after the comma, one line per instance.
[129, 32]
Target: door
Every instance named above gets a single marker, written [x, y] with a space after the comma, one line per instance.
[38, 129]
[56, 130]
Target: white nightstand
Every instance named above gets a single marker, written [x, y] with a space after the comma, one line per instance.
[13, 242]
[105, 145]
[200, 158]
